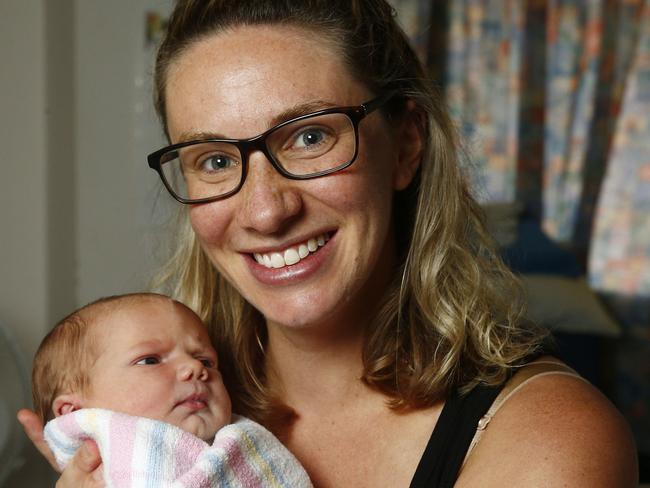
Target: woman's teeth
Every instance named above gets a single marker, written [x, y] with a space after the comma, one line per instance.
[291, 255]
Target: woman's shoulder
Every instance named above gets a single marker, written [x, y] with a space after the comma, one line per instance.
[553, 428]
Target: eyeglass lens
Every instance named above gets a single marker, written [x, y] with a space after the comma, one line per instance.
[302, 148]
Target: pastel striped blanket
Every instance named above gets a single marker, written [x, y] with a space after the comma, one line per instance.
[140, 452]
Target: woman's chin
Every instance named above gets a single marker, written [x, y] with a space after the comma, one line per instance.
[307, 314]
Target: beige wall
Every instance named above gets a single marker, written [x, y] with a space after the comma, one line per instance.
[24, 244]
[115, 191]
[23, 185]
[80, 212]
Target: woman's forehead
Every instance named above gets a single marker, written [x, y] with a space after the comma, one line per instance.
[242, 78]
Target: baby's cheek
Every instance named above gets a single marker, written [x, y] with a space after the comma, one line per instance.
[159, 410]
[140, 399]
[223, 399]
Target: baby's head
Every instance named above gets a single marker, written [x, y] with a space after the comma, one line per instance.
[141, 354]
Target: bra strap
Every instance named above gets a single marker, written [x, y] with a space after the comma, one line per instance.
[527, 374]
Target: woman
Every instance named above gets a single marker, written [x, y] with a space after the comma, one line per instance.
[342, 265]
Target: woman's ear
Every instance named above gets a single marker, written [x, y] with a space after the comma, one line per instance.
[410, 140]
[66, 403]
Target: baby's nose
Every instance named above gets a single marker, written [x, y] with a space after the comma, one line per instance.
[192, 369]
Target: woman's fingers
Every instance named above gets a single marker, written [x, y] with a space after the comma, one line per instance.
[34, 429]
[84, 469]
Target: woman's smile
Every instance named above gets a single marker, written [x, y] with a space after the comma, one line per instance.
[291, 264]
[279, 258]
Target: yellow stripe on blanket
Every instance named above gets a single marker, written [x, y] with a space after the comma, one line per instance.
[266, 469]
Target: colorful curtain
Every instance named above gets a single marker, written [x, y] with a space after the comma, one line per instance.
[620, 252]
[553, 100]
[482, 88]
[573, 42]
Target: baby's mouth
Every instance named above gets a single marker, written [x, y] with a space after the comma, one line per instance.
[194, 402]
[292, 255]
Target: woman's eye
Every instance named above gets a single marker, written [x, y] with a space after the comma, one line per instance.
[309, 137]
[217, 162]
[148, 360]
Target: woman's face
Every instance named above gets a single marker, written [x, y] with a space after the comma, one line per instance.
[237, 84]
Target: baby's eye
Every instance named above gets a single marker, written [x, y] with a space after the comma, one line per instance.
[149, 360]
[208, 363]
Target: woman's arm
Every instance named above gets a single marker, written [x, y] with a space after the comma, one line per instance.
[85, 468]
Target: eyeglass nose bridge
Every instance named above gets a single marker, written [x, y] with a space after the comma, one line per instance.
[258, 143]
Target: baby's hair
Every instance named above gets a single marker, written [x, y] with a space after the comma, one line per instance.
[68, 351]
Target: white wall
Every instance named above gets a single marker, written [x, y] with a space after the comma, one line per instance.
[23, 184]
[118, 199]
[80, 211]
[24, 289]
[116, 191]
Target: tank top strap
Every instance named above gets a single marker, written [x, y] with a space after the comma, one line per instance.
[444, 454]
[526, 374]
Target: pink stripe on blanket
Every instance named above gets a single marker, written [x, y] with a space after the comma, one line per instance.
[197, 478]
[238, 462]
[191, 448]
[69, 426]
[122, 431]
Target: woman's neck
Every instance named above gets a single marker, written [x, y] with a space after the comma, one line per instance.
[314, 365]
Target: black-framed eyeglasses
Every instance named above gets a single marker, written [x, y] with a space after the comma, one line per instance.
[302, 148]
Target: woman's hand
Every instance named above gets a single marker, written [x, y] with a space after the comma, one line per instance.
[85, 468]
[34, 429]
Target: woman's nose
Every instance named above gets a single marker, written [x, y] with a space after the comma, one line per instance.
[270, 201]
[192, 369]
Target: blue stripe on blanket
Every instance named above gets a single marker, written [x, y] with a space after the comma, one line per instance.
[222, 476]
[156, 456]
[61, 444]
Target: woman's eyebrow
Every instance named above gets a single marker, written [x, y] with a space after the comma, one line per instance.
[300, 109]
[199, 136]
[288, 114]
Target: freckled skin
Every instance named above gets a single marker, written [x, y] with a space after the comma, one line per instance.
[233, 84]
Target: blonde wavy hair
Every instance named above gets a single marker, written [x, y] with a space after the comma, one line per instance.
[453, 316]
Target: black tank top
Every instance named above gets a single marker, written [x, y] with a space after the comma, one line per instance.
[451, 437]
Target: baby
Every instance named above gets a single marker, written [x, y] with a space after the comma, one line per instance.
[137, 373]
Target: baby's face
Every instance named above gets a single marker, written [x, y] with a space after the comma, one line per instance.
[156, 361]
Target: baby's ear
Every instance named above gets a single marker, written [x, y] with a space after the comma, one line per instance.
[66, 403]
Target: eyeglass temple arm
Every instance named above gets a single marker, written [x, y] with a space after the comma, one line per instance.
[375, 103]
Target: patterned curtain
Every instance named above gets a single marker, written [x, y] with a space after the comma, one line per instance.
[553, 100]
[573, 42]
[619, 260]
[482, 88]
